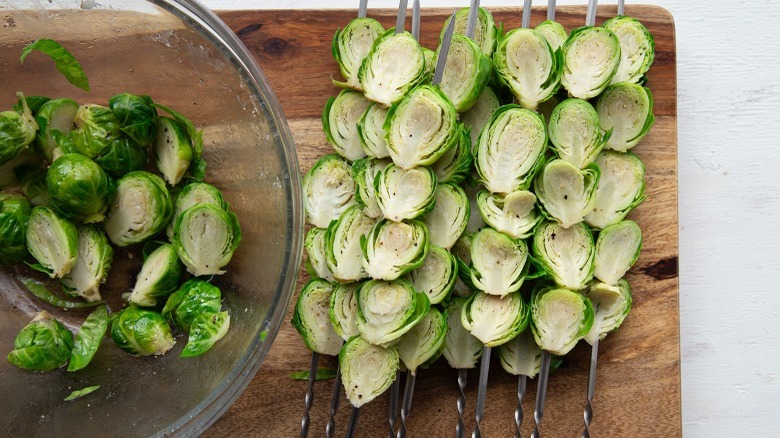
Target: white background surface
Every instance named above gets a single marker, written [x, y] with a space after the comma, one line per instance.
[728, 63]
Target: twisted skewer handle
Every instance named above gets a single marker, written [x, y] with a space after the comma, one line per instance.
[394, 392]
[588, 414]
[460, 429]
[334, 404]
[353, 420]
[521, 383]
[484, 369]
[309, 399]
[541, 393]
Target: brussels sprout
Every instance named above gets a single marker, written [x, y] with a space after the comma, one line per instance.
[394, 65]
[521, 355]
[575, 132]
[194, 297]
[510, 149]
[485, 32]
[366, 370]
[617, 249]
[637, 48]
[611, 305]
[141, 332]
[364, 172]
[342, 245]
[198, 166]
[88, 339]
[499, 263]
[526, 63]
[206, 253]
[17, 130]
[311, 318]
[343, 310]
[317, 260]
[387, 310]
[553, 32]
[92, 266]
[566, 192]
[514, 214]
[449, 217]
[371, 131]
[462, 252]
[424, 343]
[159, 277]
[351, 45]
[565, 254]
[405, 194]
[436, 276]
[141, 208]
[173, 149]
[137, 116]
[121, 157]
[461, 349]
[56, 114]
[53, 241]
[40, 291]
[42, 345]
[560, 318]
[32, 181]
[455, 165]
[194, 193]
[621, 187]
[14, 215]
[206, 330]
[65, 62]
[340, 120]
[33, 102]
[479, 115]
[627, 110]
[475, 221]
[394, 248]
[96, 128]
[78, 188]
[421, 128]
[9, 175]
[328, 190]
[495, 320]
[590, 59]
[466, 73]
[430, 63]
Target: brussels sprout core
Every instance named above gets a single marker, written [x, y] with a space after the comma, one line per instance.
[499, 262]
[566, 192]
[590, 59]
[394, 248]
[366, 370]
[495, 320]
[566, 254]
[527, 64]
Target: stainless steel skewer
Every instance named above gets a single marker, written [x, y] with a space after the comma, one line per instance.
[526, 23]
[444, 51]
[588, 414]
[621, 8]
[460, 429]
[590, 19]
[400, 19]
[416, 20]
[484, 369]
[541, 393]
[334, 404]
[309, 400]
[406, 404]
[551, 10]
[521, 384]
[394, 393]
[353, 420]
[471, 22]
[362, 8]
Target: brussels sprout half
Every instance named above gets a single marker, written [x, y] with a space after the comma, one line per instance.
[462, 252]
[394, 248]
[521, 355]
[159, 277]
[637, 48]
[499, 263]
[343, 253]
[466, 72]
[42, 345]
[394, 65]
[627, 110]
[137, 115]
[366, 370]
[424, 343]
[567, 193]
[194, 297]
[514, 214]
[405, 194]
[364, 172]
[371, 131]
[141, 208]
[206, 253]
[17, 130]
[311, 318]
[387, 310]
[479, 115]
[328, 190]
[447, 221]
[141, 332]
[343, 310]
[436, 276]
[553, 32]
[194, 193]
[14, 216]
[53, 241]
[88, 339]
[495, 320]
[590, 59]
[565, 254]
[617, 249]
[461, 349]
[32, 181]
[96, 128]
[206, 330]
[485, 32]
[173, 150]
[78, 188]
[560, 318]
[621, 187]
[55, 114]
[611, 305]
[350, 47]
[455, 165]
[91, 269]
[339, 121]
[317, 263]
[575, 132]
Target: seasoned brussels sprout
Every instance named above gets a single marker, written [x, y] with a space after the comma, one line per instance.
[590, 59]
[311, 318]
[78, 188]
[499, 263]
[617, 249]
[317, 260]
[637, 48]
[485, 32]
[195, 193]
[351, 45]
[32, 181]
[436, 276]
[405, 194]
[621, 187]
[14, 215]
[159, 277]
[55, 114]
[194, 297]
[575, 132]
[206, 330]
[91, 269]
[394, 65]
[121, 157]
[455, 165]
[42, 345]
[627, 110]
[387, 310]
[141, 332]
[364, 172]
[328, 190]
[560, 318]
[565, 254]
[611, 305]
[206, 253]
[466, 73]
[197, 168]
[461, 349]
[96, 128]
[343, 310]
[372, 132]
[137, 115]
[449, 217]
[510, 149]
[424, 343]
[88, 339]
[340, 120]
[53, 241]
[366, 370]
[343, 253]
[521, 355]
[566, 192]
[495, 320]
[17, 130]
[553, 32]
[514, 214]
[394, 248]
[141, 208]
[479, 115]
[173, 150]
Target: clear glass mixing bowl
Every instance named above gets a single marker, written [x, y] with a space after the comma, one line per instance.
[183, 56]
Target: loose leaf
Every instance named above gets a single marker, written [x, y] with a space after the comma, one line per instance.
[82, 392]
[66, 63]
[39, 290]
[87, 341]
[322, 374]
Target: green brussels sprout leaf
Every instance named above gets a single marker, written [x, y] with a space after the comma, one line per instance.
[88, 339]
[65, 62]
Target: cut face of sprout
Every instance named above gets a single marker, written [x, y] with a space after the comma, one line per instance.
[575, 132]
[351, 45]
[553, 32]
[627, 110]
[514, 214]
[436, 276]
[205, 239]
[343, 310]
[394, 248]
[455, 165]
[611, 305]
[56, 114]
[590, 59]
[315, 249]
[621, 187]
[478, 116]
[142, 208]
[192, 194]
[637, 48]
[387, 310]
[371, 131]
[566, 254]
[328, 190]
[566, 192]
[560, 318]
[526, 63]
[339, 121]
[364, 172]
[466, 73]
[448, 219]
[461, 349]
[521, 355]
[394, 65]
[495, 320]
[485, 32]
[498, 262]
[617, 249]
[53, 241]
[173, 149]
[366, 370]
[312, 318]
[342, 245]
[423, 344]
[92, 266]
[159, 277]
[405, 194]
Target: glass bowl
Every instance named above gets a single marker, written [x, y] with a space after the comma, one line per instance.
[184, 57]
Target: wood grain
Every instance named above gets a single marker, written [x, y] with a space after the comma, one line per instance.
[638, 385]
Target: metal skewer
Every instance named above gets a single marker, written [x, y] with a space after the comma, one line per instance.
[621, 8]
[444, 51]
[588, 414]
[416, 20]
[541, 393]
[471, 22]
[353, 420]
[526, 23]
[551, 10]
[400, 20]
[334, 404]
[590, 19]
[406, 404]
[460, 429]
[309, 399]
[394, 393]
[521, 384]
[484, 369]
[362, 8]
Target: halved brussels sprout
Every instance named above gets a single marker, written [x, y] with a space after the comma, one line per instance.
[405, 194]
[206, 330]
[560, 318]
[499, 263]
[121, 157]
[350, 47]
[590, 59]
[141, 332]
[637, 48]
[137, 115]
[311, 318]
[475, 222]
[421, 128]
[17, 130]
[366, 370]
[627, 110]
[617, 249]
[364, 172]
[173, 150]
[342, 245]
[194, 297]
[423, 344]
[526, 63]
[621, 187]
[33, 102]
[78, 188]
[141, 208]
[566, 192]
[315, 249]
[198, 165]
[466, 73]
[479, 115]
[53, 241]
[394, 65]
[462, 252]
[194, 193]
[461, 349]
[485, 32]
[510, 149]
[88, 339]
[436, 276]
[455, 165]
[328, 190]
[372, 132]
[339, 121]
[514, 214]
[553, 32]
[55, 114]
[42, 345]
[91, 269]
[206, 252]
[565, 254]
[495, 320]
[394, 248]
[159, 277]
[387, 310]
[611, 305]
[32, 181]
[521, 355]
[449, 217]
[96, 128]
[575, 132]
[343, 310]
[14, 215]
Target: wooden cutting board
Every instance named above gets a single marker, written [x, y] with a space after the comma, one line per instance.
[638, 385]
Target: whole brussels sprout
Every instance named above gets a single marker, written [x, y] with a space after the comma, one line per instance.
[122, 156]
[194, 297]
[96, 128]
[78, 188]
[137, 116]
[17, 130]
[14, 214]
[141, 332]
[42, 345]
